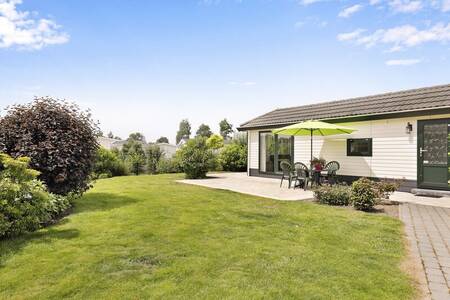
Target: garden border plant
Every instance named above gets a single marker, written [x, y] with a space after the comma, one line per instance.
[25, 204]
[363, 194]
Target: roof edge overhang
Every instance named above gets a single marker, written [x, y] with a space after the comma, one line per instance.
[358, 118]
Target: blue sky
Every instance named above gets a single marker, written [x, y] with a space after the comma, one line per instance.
[145, 65]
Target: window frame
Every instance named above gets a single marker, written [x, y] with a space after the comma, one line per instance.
[370, 152]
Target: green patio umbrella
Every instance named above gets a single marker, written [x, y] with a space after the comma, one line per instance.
[313, 128]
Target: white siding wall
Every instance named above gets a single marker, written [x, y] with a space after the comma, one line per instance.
[394, 151]
[253, 149]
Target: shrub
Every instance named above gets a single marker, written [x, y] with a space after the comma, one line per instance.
[364, 194]
[154, 155]
[57, 206]
[163, 139]
[215, 142]
[108, 164]
[25, 203]
[59, 139]
[169, 165]
[196, 158]
[134, 155]
[333, 195]
[233, 157]
[386, 188]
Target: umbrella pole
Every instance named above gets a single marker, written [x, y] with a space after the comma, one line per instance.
[310, 162]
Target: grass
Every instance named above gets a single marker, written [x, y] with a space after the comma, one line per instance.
[149, 237]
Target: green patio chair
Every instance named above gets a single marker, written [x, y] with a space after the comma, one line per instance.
[302, 175]
[329, 172]
[288, 172]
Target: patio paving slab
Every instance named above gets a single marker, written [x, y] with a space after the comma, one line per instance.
[257, 186]
[422, 200]
[428, 228]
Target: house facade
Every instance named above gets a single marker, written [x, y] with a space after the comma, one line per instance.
[402, 135]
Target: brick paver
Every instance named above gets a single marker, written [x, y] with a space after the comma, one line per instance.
[428, 231]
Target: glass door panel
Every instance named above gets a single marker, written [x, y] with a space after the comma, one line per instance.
[273, 149]
[267, 152]
[284, 147]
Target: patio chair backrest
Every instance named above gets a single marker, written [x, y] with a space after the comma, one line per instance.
[286, 167]
[332, 167]
[301, 169]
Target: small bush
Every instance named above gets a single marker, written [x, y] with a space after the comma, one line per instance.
[57, 206]
[196, 158]
[25, 204]
[333, 195]
[386, 188]
[168, 165]
[104, 175]
[154, 155]
[108, 164]
[215, 142]
[134, 155]
[364, 194]
[233, 157]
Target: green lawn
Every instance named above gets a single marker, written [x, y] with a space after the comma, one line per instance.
[149, 237]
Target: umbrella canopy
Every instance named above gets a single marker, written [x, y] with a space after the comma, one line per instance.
[313, 128]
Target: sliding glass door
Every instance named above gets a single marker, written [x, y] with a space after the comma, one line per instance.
[273, 149]
[266, 152]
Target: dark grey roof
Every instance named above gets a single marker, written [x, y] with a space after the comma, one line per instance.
[428, 98]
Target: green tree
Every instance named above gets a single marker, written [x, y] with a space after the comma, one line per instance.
[133, 153]
[215, 142]
[184, 130]
[240, 138]
[137, 136]
[196, 158]
[204, 131]
[136, 161]
[112, 136]
[226, 129]
[162, 139]
[154, 155]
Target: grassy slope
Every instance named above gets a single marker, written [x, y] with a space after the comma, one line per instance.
[136, 237]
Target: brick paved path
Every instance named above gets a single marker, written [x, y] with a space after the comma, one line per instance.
[428, 230]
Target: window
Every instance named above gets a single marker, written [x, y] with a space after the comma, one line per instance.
[273, 149]
[359, 147]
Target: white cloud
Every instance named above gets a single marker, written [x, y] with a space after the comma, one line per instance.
[347, 12]
[348, 36]
[308, 2]
[299, 24]
[402, 62]
[445, 5]
[311, 21]
[400, 37]
[242, 83]
[406, 6]
[374, 2]
[18, 28]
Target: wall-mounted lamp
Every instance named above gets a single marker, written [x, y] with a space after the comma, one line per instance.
[409, 128]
